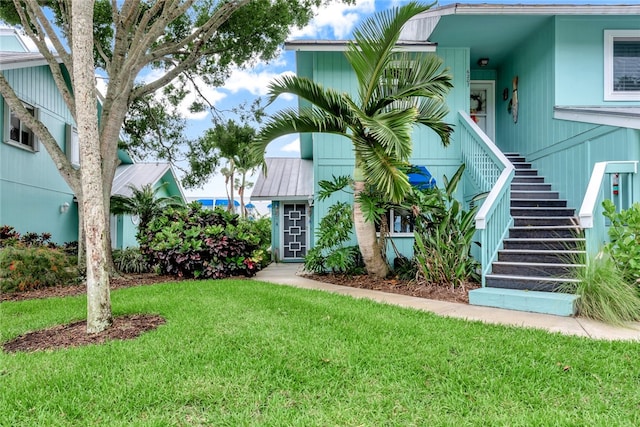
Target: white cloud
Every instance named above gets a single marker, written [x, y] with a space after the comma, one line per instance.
[335, 20]
[292, 147]
[255, 82]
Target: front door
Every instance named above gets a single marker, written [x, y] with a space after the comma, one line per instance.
[294, 231]
[482, 106]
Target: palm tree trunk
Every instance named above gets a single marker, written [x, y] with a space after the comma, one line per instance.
[367, 239]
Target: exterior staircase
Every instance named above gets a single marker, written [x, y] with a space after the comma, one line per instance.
[544, 248]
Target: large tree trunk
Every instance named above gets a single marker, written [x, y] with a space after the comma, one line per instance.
[367, 239]
[99, 315]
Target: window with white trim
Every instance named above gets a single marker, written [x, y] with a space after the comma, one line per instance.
[622, 65]
[72, 148]
[18, 133]
[399, 222]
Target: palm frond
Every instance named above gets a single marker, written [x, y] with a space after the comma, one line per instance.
[289, 121]
[393, 130]
[431, 113]
[374, 41]
[327, 99]
[382, 171]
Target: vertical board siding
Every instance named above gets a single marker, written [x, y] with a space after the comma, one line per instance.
[31, 187]
[580, 57]
[561, 64]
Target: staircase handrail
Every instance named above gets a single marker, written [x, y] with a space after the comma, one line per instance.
[591, 208]
[494, 176]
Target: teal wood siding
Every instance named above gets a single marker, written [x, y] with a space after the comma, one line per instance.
[333, 155]
[31, 189]
[580, 57]
[563, 151]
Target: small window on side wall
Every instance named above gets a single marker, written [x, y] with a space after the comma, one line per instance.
[17, 132]
[72, 146]
[622, 65]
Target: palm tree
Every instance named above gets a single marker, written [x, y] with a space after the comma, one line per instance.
[145, 202]
[396, 92]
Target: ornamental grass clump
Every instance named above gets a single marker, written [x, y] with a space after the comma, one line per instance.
[604, 292]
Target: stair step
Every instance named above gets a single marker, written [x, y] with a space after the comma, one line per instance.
[521, 165]
[531, 283]
[535, 269]
[556, 303]
[526, 172]
[556, 203]
[516, 159]
[520, 194]
[542, 211]
[534, 221]
[544, 244]
[541, 256]
[545, 231]
[526, 186]
[524, 179]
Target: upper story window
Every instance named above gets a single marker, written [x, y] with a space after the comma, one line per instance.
[622, 65]
[16, 132]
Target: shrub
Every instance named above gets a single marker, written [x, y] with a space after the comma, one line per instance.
[604, 293]
[330, 254]
[196, 243]
[444, 235]
[130, 260]
[28, 268]
[624, 232]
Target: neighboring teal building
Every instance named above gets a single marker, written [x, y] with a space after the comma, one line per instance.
[33, 195]
[558, 84]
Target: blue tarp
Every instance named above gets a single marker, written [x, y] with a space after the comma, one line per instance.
[421, 178]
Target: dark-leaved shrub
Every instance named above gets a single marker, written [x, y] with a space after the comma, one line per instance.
[27, 268]
[196, 243]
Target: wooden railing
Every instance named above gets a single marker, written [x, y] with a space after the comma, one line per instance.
[492, 173]
[618, 181]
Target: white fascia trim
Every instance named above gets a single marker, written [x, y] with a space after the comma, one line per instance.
[341, 46]
[532, 9]
[608, 118]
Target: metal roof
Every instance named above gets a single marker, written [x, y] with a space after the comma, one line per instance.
[139, 175]
[287, 178]
[341, 45]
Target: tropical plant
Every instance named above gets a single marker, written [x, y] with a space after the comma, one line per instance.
[444, 235]
[130, 260]
[604, 293]
[624, 232]
[24, 268]
[396, 92]
[330, 252]
[188, 241]
[144, 202]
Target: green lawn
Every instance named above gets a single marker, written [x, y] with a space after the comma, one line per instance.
[242, 353]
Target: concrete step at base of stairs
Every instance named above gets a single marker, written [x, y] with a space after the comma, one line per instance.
[559, 304]
[535, 203]
[536, 269]
[541, 256]
[543, 232]
[545, 244]
[530, 283]
[527, 186]
[536, 221]
[542, 211]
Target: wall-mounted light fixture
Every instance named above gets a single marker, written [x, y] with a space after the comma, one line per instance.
[483, 62]
[64, 207]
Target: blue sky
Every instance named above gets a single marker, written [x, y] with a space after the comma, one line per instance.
[335, 21]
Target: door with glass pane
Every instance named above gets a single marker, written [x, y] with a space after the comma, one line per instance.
[294, 231]
[482, 106]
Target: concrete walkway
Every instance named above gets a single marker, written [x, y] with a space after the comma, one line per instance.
[287, 274]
